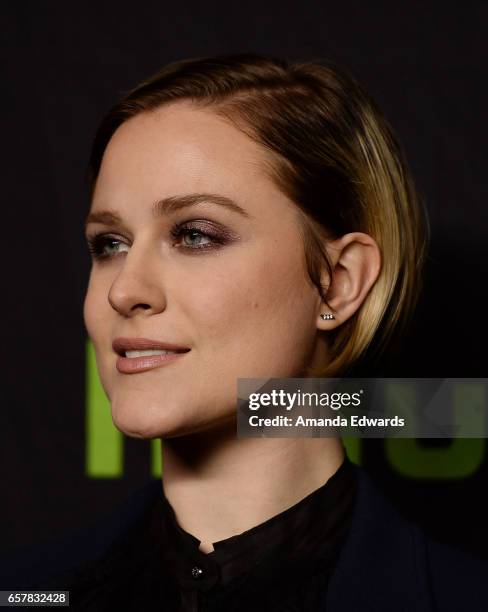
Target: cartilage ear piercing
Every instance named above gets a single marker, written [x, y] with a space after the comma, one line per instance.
[327, 315]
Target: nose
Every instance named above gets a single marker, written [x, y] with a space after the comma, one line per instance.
[138, 285]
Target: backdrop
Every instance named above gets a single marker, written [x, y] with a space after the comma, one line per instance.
[62, 462]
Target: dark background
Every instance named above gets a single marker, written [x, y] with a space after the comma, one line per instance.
[64, 64]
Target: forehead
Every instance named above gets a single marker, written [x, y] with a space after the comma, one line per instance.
[180, 147]
[180, 150]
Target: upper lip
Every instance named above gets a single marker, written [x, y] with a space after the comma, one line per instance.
[121, 345]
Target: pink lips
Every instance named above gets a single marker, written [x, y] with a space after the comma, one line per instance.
[133, 365]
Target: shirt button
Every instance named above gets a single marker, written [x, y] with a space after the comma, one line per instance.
[197, 572]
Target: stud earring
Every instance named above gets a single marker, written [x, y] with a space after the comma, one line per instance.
[327, 316]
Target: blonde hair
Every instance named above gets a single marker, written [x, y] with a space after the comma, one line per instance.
[333, 153]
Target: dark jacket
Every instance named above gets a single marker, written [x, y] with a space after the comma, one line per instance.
[386, 565]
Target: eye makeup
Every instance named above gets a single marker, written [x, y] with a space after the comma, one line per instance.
[189, 237]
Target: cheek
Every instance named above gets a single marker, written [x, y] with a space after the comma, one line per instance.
[96, 323]
[91, 310]
[259, 311]
[97, 315]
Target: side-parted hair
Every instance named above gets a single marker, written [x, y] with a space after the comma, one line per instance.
[332, 152]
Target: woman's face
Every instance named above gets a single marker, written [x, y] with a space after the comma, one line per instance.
[227, 282]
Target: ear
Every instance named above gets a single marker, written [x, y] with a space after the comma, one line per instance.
[356, 264]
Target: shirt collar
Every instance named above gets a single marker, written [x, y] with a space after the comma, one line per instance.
[294, 542]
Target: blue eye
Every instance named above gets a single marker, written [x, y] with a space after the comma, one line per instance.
[193, 233]
[195, 239]
[103, 246]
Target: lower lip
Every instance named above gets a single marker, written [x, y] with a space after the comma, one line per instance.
[133, 365]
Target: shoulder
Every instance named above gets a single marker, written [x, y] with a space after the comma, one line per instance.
[388, 562]
[43, 563]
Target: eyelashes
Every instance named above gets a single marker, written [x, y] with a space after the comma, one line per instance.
[189, 231]
[99, 243]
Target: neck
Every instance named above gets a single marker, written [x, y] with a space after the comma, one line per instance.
[220, 485]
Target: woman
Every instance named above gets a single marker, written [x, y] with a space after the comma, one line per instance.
[250, 218]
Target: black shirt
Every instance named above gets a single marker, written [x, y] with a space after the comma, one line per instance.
[282, 564]
[386, 563]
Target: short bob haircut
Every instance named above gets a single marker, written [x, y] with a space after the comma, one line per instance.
[332, 152]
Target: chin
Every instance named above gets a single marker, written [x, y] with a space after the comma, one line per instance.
[145, 423]
[162, 421]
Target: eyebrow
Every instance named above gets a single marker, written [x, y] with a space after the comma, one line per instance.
[171, 204]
